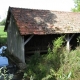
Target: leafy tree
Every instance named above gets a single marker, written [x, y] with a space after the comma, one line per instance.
[3, 22]
[77, 6]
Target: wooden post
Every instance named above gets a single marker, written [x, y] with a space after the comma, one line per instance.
[68, 43]
[68, 39]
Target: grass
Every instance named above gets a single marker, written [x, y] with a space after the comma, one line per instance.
[3, 35]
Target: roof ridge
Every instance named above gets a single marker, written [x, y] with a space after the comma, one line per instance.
[42, 10]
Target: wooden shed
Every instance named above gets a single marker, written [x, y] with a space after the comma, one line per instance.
[31, 30]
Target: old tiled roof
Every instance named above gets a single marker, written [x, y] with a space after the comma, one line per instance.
[33, 21]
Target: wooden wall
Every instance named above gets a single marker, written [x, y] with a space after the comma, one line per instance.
[15, 40]
[39, 43]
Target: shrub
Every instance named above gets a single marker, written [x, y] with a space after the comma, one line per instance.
[4, 75]
[57, 64]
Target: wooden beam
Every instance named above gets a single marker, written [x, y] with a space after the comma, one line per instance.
[68, 39]
[72, 37]
[28, 39]
[68, 43]
[41, 51]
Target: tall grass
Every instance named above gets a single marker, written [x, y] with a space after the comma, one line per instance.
[55, 65]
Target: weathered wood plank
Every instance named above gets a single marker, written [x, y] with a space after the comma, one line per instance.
[15, 60]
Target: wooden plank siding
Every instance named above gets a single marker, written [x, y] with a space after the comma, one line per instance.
[39, 43]
[15, 41]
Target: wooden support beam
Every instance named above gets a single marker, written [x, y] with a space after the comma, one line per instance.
[68, 39]
[28, 39]
[68, 43]
[41, 51]
[72, 37]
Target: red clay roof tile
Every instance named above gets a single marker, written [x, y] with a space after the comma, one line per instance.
[40, 22]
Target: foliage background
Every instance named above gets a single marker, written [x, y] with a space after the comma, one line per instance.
[3, 36]
[77, 6]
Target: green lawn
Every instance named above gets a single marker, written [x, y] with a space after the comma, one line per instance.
[3, 35]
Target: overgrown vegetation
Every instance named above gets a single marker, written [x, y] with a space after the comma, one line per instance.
[57, 64]
[4, 75]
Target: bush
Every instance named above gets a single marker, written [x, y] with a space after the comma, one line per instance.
[57, 64]
[4, 75]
